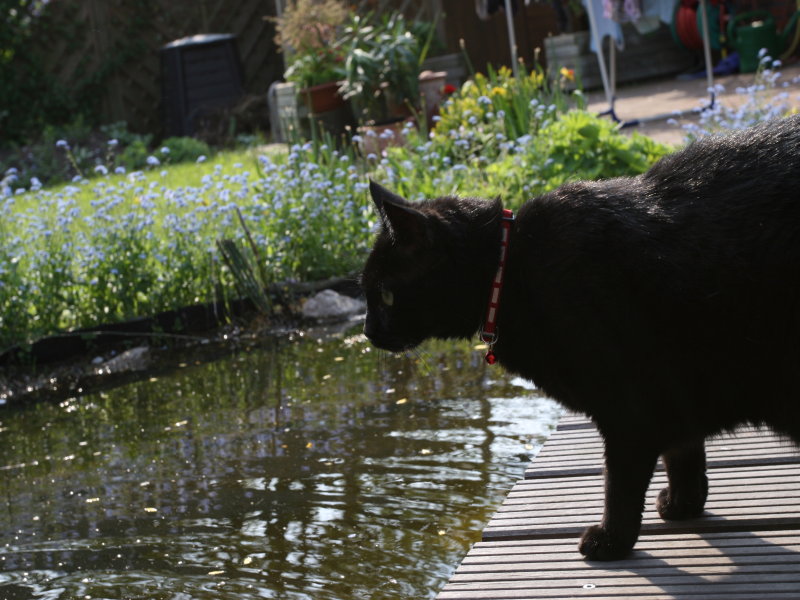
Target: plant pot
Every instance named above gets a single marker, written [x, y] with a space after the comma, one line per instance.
[376, 138]
[431, 89]
[323, 98]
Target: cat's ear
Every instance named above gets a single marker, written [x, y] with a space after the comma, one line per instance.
[405, 223]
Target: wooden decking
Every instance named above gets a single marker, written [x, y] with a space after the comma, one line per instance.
[747, 545]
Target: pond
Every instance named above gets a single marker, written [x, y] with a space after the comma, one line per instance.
[302, 467]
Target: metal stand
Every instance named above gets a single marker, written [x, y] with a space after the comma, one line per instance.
[512, 40]
[610, 83]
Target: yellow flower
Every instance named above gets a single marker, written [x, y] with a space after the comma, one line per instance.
[536, 78]
[498, 91]
[568, 73]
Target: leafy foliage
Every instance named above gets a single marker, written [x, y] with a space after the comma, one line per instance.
[382, 65]
[580, 145]
[309, 33]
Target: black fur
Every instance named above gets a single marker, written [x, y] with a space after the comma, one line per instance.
[665, 306]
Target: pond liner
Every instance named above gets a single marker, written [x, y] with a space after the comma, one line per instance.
[187, 321]
[184, 321]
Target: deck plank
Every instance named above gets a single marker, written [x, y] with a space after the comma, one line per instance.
[760, 497]
[580, 452]
[746, 545]
[663, 566]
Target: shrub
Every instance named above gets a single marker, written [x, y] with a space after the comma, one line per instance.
[580, 145]
[185, 149]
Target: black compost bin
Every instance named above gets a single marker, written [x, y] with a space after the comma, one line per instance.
[200, 74]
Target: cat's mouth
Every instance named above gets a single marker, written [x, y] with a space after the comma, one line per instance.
[391, 343]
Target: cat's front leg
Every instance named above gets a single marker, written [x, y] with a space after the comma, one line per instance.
[688, 485]
[629, 467]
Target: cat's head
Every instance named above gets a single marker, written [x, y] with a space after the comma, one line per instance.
[430, 269]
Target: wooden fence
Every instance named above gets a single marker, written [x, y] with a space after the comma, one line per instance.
[115, 44]
[111, 47]
[486, 42]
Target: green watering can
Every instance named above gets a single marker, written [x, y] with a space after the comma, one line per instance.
[758, 32]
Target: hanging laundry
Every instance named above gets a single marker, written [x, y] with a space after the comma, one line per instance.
[652, 11]
[622, 11]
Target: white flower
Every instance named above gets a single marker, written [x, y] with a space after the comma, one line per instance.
[164, 150]
[153, 161]
[62, 144]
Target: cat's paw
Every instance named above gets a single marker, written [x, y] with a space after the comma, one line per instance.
[598, 544]
[682, 507]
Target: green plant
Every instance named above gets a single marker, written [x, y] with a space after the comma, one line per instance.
[580, 145]
[308, 32]
[185, 149]
[134, 156]
[569, 146]
[382, 66]
[493, 114]
[316, 66]
[307, 24]
[247, 268]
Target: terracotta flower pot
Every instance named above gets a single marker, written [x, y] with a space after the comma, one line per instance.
[374, 139]
[323, 98]
[431, 89]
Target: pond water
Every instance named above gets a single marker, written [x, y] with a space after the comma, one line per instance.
[301, 468]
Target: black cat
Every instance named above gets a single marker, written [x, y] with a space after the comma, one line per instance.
[665, 306]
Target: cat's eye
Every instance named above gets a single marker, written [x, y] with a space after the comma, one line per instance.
[387, 296]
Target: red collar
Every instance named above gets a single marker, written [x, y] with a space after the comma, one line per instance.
[489, 330]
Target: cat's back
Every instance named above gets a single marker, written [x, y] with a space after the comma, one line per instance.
[764, 158]
[720, 196]
[681, 276]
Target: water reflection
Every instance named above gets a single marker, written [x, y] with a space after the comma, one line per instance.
[305, 469]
